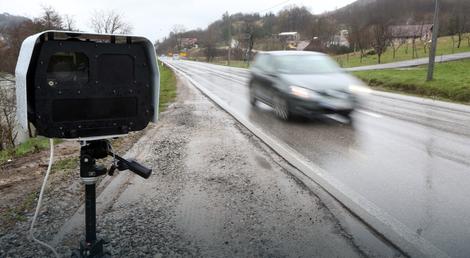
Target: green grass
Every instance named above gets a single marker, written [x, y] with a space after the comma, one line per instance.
[32, 145]
[451, 81]
[65, 164]
[167, 87]
[444, 47]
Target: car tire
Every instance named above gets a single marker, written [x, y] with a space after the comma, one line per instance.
[347, 115]
[252, 94]
[281, 108]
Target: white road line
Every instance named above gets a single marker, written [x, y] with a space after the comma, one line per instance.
[372, 114]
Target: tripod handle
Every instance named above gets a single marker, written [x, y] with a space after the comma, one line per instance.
[139, 169]
[133, 166]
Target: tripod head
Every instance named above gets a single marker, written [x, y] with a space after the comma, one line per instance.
[99, 149]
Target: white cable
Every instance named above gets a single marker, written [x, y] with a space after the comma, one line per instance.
[38, 207]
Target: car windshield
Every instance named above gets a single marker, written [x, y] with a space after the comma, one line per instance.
[306, 64]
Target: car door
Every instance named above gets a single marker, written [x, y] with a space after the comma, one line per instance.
[270, 79]
[257, 75]
[265, 78]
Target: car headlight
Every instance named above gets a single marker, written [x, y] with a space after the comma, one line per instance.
[303, 92]
[360, 89]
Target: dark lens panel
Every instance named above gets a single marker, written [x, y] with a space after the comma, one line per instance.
[94, 108]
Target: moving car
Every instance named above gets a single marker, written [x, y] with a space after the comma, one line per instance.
[303, 83]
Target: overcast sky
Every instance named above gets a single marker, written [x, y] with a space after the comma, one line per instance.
[155, 18]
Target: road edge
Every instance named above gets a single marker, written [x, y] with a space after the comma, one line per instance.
[384, 224]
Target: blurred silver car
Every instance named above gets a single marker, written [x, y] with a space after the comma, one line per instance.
[303, 83]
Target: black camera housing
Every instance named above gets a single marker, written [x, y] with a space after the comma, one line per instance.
[92, 86]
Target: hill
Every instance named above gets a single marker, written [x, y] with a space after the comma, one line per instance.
[255, 31]
[7, 20]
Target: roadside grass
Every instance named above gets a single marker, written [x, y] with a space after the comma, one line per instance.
[32, 145]
[65, 164]
[444, 47]
[451, 81]
[167, 87]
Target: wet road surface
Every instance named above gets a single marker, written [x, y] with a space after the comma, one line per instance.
[215, 192]
[406, 155]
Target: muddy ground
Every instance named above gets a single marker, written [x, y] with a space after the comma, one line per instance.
[216, 191]
[20, 182]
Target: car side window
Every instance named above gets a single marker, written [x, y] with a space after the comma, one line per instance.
[270, 66]
[265, 63]
[259, 61]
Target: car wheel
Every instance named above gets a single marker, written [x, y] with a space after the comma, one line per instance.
[252, 95]
[347, 115]
[281, 108]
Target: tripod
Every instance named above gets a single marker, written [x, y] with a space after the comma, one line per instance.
[89, 173]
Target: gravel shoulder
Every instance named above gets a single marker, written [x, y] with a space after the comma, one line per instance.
[215, 193]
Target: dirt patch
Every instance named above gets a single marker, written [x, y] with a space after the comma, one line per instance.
[20, 182]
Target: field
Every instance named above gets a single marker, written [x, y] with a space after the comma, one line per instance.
[451, 81]
[444, 46]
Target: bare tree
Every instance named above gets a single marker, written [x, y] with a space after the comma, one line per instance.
[50, 19]
[69, 23]
[359, 35]
[10, 48]
[325, 28]
[8, 132]
[252, 32]
[210, 43]
[227, 34]
[178, 30]
[381, 39]
[396, 40]
[379, 28]
[109, 22]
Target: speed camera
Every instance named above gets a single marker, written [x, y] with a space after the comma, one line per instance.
[75, 85]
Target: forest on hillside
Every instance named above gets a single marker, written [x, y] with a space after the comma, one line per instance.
[367, 23]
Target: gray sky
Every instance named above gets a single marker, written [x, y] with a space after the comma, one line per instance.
[155, 19]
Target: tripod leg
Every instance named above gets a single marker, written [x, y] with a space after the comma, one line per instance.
[90, 213]
[91, 247]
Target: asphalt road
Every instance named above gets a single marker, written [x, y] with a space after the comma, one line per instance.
[409, 156]
[410, 63]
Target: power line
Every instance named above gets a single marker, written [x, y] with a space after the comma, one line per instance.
[274, 6]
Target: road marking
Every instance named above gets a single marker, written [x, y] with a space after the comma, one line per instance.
[338, 118]
[372, 114]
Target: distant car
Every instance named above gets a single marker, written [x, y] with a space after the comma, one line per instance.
[303, 83]
[176, 57]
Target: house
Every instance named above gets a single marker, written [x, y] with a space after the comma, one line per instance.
[411, 32]
[289, 40]
[340, 39]
[289, 36]
[189, 43]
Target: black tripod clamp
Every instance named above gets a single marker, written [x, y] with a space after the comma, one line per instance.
[93, 150]
[89, 173]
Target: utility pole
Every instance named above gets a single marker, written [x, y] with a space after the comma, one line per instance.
[229, 39]
[432, 52]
